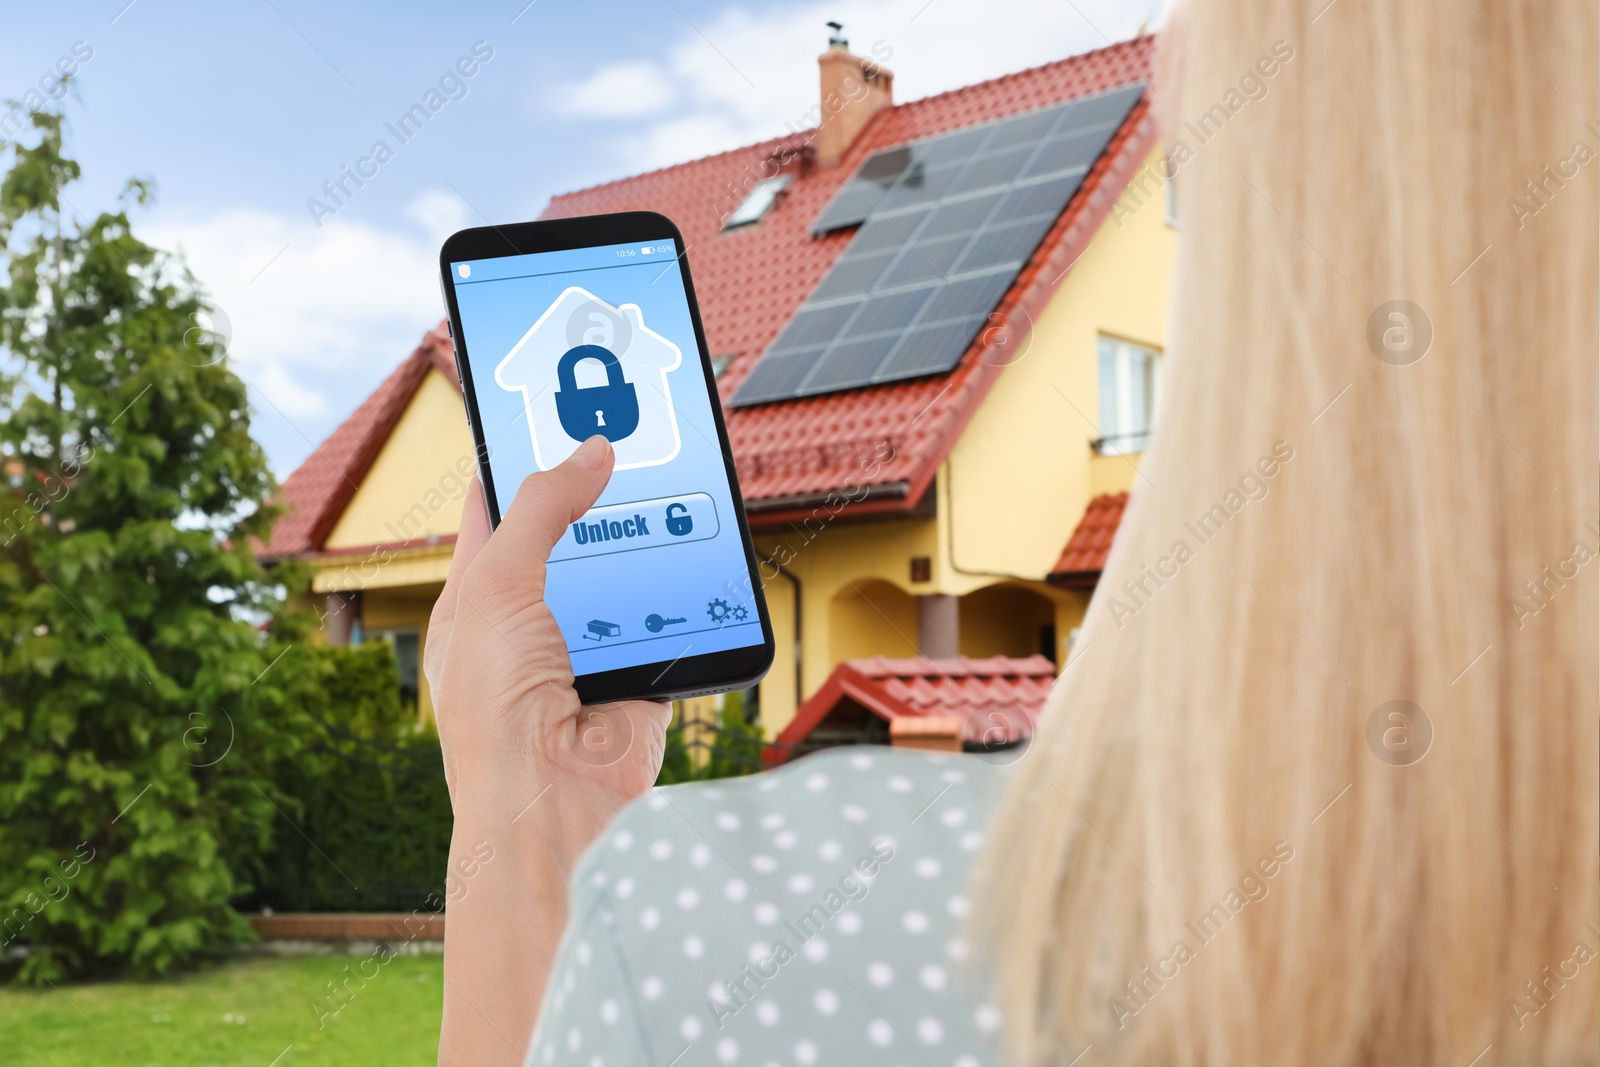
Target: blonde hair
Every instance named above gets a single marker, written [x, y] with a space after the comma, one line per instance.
[1220, 766]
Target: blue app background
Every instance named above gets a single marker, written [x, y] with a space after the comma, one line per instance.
[698, 581]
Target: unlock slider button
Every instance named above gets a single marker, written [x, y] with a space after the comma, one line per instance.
[667, 520]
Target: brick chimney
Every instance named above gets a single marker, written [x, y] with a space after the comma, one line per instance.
[853, 90]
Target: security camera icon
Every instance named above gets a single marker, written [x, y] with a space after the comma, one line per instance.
[600, 629]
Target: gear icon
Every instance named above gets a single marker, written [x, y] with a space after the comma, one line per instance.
[740, 614]
[718, 610]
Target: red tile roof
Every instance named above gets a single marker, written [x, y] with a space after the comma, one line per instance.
[997, 699]
[316, 493]
[888, 439]
[1085, 555]
[751, 279]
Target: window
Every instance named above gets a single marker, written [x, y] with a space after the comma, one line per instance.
[407, 655]
[1129, 390]
[759, 201]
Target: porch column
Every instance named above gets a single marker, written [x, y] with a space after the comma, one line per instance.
[938, 625]
[344, 616]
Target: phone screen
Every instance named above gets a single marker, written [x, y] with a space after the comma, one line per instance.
[563, 345]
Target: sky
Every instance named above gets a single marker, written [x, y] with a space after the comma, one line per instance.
[239, 114]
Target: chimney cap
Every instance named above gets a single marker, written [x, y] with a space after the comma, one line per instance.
[836, 39]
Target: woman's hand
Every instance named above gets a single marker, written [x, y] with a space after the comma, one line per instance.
[499, 671]
[533, 776]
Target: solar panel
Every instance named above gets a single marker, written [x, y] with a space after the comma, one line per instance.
[945, 225]
[862, 193]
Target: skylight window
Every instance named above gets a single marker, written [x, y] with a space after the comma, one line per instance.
[759, 201]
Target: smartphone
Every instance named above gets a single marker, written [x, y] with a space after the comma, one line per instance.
[571, 327]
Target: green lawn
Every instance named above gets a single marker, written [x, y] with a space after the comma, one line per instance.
[244, 1013]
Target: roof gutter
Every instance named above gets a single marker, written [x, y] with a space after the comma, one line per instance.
[894, 496]
[1083, 581]
[799, 618]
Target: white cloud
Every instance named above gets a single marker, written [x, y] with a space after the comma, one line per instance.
[310, 306]
[620, 90]
[747, 76]
[439, 213]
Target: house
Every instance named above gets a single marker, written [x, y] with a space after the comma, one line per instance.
[964, 512]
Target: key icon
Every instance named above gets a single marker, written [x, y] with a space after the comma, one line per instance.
[655, 623]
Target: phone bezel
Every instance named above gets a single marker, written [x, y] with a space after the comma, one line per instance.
[712, 672]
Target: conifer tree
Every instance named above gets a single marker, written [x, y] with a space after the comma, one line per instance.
[140, 708]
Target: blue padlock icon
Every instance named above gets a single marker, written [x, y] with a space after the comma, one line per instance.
[611, 409]
[679, 524]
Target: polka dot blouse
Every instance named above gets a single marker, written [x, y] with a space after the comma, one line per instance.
[810, 915]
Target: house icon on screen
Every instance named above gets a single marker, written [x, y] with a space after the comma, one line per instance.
[579, 318]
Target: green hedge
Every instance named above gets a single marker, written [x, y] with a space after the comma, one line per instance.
[734, 747]
[368, 795]
[373, 831]
[367, 799]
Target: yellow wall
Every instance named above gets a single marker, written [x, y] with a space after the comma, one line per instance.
[1113, 474]
[417, 483]
[779, 685]
[1008, 497]
[826, 557]
[871, 617]
[1023, 472]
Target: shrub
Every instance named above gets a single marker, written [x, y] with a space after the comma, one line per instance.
[734, 747]
[366, 795]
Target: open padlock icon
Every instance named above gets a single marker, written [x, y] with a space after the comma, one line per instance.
[679, 522]
[611, 410]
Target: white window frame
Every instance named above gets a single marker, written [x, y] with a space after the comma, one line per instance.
[760, 200]
[1125, 431]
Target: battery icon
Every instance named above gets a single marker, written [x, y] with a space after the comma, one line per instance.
[647, 251]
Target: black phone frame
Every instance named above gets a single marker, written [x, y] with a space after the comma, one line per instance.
[712, 672]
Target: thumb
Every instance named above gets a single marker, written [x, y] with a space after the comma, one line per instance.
[550, 501]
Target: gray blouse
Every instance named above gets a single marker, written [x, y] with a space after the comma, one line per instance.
[814, 914]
